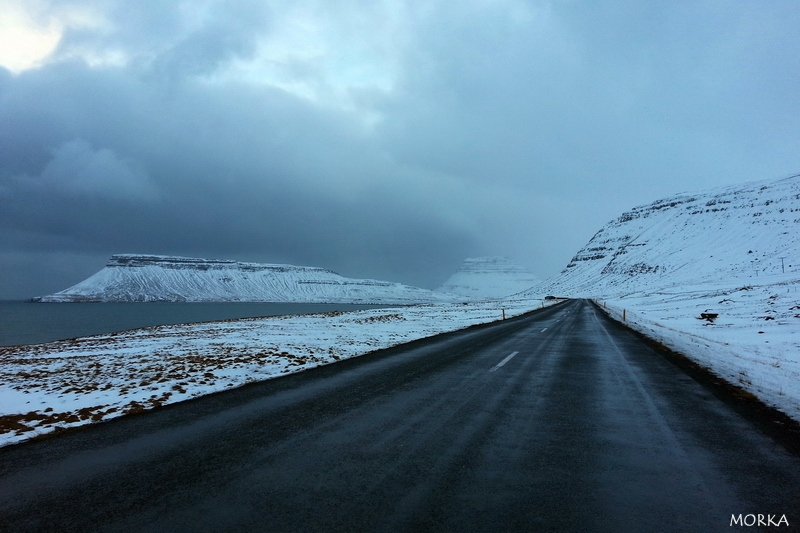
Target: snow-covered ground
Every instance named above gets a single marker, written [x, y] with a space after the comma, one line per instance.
[46, 387]
[753, 343]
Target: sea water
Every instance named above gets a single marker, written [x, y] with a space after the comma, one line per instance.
[34, 322]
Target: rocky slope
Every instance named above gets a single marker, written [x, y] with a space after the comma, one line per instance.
[149, 278]
[489, 277]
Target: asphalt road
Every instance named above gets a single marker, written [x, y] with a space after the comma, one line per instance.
[556, 421]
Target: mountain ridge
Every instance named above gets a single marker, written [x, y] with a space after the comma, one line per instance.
[151, 278]
[734, 232]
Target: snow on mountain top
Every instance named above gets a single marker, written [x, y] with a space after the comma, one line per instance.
[145, 278]
[175, 262]
[736, 232]
[489, 277]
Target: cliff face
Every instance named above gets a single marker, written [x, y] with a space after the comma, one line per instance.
[730, 233]
[489, 277]
[149, 278]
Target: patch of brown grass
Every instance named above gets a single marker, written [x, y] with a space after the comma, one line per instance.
[25, 422]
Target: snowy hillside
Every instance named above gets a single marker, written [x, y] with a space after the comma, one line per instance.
[489, 277]
[145, 278]
[732, 252]
[742, 232]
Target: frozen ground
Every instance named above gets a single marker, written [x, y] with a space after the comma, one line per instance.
[53, 386]
[754, 342]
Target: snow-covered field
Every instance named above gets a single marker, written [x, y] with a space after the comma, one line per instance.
[753, 343]
[46, 387]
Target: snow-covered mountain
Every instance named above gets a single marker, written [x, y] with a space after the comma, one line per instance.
[726, 234]
[489, 277]
[147, 278]
[731, 254]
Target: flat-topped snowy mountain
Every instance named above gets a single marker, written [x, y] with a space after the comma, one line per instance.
[150, 278]
[739, 232]
[489, 277]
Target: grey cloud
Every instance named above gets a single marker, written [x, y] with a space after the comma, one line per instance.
[172, 39]
[231, 32]
[511, 128]
[618, 87]
[78, 169]
[205, 176]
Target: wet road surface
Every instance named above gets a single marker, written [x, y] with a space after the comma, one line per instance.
[560, 420]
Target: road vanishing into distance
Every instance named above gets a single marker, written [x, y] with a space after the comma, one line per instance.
[559, 420]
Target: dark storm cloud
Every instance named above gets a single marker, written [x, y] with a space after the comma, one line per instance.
[385, 140]
[106, 163]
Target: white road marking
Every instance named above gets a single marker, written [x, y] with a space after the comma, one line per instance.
[504, 361]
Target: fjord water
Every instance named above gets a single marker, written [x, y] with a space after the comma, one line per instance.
[33, 323]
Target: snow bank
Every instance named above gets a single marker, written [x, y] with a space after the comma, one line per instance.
[64, 384]
[753, 343]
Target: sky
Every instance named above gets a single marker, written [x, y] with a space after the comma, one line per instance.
[383, 139]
